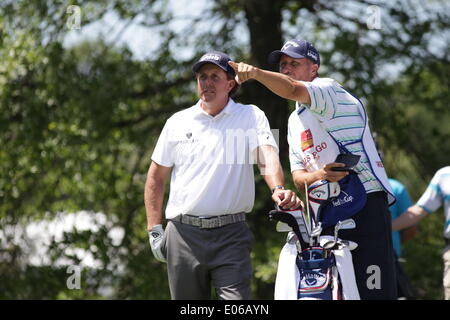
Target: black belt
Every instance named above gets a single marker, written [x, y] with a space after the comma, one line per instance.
[210, 222]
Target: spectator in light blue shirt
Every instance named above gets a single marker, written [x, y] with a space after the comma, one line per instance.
[435, 196]
[401, 205]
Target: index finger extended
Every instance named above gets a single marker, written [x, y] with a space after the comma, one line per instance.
[234, 65]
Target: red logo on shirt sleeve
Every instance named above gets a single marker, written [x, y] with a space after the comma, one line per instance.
[307, 140]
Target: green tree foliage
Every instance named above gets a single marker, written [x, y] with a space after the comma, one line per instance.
[79, 122]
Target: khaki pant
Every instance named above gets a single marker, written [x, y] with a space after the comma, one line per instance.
[446, 258]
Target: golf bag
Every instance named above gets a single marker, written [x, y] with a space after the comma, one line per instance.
[314, 265]
[319, 278]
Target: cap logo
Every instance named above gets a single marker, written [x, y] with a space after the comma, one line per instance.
[210, 57]
[311, 54]
[290, 44]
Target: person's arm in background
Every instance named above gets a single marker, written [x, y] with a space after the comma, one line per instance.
[409, 218]
[403, 203]
[272, 172]
[430, 201]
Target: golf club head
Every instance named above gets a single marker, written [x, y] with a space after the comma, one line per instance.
[329, 245]
[317, 230]
[351, 245]
[339, 245]
[291, 237]
[344, 225]
[291, 221]
[347, 224]
[283, 227]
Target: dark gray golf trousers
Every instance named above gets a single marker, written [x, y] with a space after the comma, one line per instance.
[200, 258]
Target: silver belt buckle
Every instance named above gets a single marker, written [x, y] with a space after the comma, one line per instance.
[209, 222]
[198, 221]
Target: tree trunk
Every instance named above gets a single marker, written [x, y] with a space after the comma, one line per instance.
[264, 24]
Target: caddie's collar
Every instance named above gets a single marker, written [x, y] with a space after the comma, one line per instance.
[299, 107]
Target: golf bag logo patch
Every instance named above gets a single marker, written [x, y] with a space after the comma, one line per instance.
[313, 278]
[307, 140]
[343, 200]
[318, 194]
[315, 274]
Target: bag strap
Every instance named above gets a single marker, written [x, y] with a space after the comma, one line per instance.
[342, 148]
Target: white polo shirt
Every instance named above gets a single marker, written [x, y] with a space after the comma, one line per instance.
[438, 194]
[212, 158]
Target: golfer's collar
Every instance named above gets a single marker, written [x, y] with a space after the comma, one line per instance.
[197, 110]
[229, 108]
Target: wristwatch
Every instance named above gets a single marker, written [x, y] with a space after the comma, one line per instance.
[277, 187]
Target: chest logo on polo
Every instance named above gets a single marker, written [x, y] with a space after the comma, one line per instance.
[189, 135]
[306, 140]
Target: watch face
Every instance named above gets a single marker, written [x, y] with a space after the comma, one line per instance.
[276, 188]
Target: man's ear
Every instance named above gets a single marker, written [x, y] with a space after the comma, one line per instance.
[231, 84]
[314, 69]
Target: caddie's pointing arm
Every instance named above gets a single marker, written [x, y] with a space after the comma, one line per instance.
[278, 83]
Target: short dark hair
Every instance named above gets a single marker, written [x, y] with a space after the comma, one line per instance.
[236, 85]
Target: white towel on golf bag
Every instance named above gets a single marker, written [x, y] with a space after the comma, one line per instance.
[288, 276]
